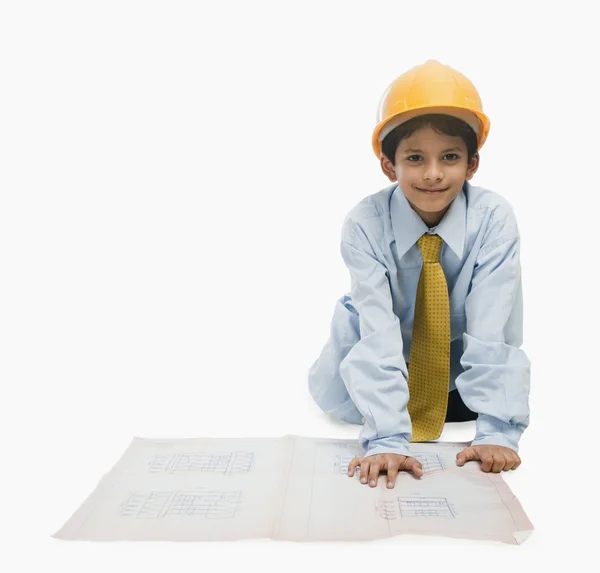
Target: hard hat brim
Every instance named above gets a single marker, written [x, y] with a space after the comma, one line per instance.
[478, 121]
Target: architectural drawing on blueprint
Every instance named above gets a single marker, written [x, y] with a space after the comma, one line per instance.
[292, 488]
[386, 509]
[430, 462]
[227, 463]
[160, 504]
[425, 507]
[337, 444]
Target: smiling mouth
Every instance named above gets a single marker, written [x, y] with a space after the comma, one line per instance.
[432, 191]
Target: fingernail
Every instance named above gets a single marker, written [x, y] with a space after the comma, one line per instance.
[372, 482]
[390, 484]
[363, 480]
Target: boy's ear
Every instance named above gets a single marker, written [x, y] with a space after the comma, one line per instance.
[388, 168]
[472, 167]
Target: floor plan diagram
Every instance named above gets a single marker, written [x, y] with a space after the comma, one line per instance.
[160, 504]
[232, 462]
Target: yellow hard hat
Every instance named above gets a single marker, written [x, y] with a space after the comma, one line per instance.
[430, 88]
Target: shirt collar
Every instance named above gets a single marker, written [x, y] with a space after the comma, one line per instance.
[409, 227]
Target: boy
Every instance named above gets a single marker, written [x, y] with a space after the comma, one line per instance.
[432, 328]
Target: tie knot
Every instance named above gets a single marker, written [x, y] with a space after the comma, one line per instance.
[430, 246]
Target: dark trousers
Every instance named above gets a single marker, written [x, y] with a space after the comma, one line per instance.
[457, 410]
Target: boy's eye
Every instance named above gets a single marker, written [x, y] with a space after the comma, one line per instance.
[452, 157]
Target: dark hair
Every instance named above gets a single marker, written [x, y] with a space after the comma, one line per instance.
[445, 124]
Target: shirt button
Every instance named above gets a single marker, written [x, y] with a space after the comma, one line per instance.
[363, 420]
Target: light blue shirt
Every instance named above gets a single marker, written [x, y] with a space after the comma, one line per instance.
[480, 259]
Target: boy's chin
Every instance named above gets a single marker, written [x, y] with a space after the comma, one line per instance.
[431, 206]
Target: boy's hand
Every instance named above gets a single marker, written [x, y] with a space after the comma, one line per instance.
[392, 463]
[494, 458]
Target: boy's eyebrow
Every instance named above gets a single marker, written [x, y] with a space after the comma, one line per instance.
[413, 150]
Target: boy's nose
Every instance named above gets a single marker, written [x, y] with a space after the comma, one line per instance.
[432, 173]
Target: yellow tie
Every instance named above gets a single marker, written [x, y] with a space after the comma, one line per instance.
[429, 363]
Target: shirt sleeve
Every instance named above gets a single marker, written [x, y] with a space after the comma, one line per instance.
[374, 371]
[496, 378]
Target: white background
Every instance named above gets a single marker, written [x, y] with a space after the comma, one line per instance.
[174, 176]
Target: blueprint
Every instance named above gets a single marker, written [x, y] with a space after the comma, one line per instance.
[290, 488]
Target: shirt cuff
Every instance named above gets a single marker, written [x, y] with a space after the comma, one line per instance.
[392, 445]
[494, 432]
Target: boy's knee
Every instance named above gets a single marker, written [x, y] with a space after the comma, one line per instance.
[349, 413]
[333, 399]
[324, 381]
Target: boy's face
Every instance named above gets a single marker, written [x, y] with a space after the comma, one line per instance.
[430, 160]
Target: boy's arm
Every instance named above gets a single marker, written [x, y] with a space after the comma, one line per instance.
[496, 380]
[374, 371]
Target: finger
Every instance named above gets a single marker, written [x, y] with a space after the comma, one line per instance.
[499, 462]
[466, 455]
[353, 465]
[374, 473]
[392, 474]
[511, 460]
[517, 463]
[487, 461]
[364, 470]
[414, 466]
